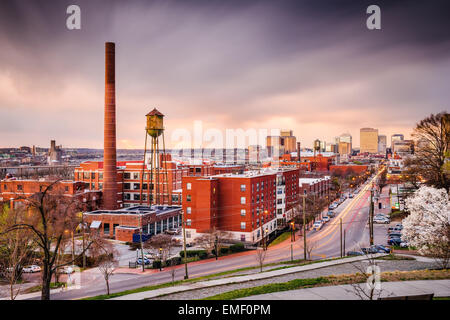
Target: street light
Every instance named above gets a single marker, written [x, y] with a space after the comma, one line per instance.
[267, 235]
[160, 259]
[292, 230]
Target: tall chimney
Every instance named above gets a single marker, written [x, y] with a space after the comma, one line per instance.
[299, 158]
[109, 147]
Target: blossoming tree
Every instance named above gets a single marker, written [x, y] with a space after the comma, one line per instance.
[428, 226]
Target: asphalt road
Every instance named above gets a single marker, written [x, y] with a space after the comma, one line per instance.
[327, 243]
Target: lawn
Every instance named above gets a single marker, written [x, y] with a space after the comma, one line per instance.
[282, 237]
[331, 280]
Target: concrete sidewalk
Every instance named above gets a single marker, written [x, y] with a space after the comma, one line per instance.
[440, 288]
[230, 280]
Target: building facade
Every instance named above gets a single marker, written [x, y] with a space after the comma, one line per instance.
[368, 140]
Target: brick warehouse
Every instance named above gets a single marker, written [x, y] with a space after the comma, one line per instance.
[244, 204]
[121, 224]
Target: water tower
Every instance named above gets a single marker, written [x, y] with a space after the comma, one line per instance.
[154, 168]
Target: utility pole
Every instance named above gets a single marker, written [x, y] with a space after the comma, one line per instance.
[304, 229]
[340, 224]
[186, 276]
[142, 246]
[73, 248]
[344, 243]
[371, 217]
[216, 247]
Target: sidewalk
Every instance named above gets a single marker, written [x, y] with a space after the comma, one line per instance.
[230, 280]
[440, 288]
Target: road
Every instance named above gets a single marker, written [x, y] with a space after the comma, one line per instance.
[353, 212]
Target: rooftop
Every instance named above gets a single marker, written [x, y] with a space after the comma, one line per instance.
[139, 210]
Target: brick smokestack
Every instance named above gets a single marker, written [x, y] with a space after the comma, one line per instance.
[109, 147]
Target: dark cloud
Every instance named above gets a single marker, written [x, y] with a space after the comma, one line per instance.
[234, 62]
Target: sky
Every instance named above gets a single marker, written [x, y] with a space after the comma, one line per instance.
[309, 66]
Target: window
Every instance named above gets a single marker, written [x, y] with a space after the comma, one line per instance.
[92, 175]
[19, 187]
[92, 185]
[66, 188]
[242, 187]
[243, 237]
[106, 228]
[86, 175]
[135, 175]
[174, 198]
[136, 196]
[188, 234]
[242, 200]
[242, 212]
[242, 225]
[188, 210]
[100, 186]
[126, 186]
[5, 187]
[127, 196]
[100, 175]
[188, 197]
[127, 175]
[188, 186]
[280, 201]
[137, 186]
[188, 222]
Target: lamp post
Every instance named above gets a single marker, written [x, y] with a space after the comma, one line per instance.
[160, 259]
[216, 247]
[265, 239]
[293, 230]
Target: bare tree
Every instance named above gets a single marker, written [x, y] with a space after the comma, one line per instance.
[310, 246]
[106, 260]
[432, 140]
[15, 250]
[51, 215]
[209, 240]
[160, 246]
[260, 257]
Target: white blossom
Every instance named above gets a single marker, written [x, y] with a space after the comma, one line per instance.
[427, 226]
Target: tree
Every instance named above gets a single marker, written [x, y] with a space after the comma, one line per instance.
[107, 262]
[209, 240]
[50, 214]
[428, 225]
[310, 246]
[160, 241]
[432, 144]
[260, 257]
[16, 250]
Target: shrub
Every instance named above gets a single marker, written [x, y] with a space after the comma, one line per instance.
[156, 264]
[238, 247]
[202, 254]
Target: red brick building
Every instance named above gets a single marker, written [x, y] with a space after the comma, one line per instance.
[245, 204]
[13, 190]
[129, 181]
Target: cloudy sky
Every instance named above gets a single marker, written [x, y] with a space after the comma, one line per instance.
[310, 66]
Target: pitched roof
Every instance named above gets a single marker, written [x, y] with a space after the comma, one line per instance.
[155, 112]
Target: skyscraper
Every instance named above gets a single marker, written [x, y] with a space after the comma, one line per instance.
[344, 142]
[382, 143]
[368, 140]
[396, 137]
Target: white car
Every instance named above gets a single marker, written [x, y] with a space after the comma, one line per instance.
[68, 269]
[381, 220]
[326, 218]
[31, 269]
[317, 225]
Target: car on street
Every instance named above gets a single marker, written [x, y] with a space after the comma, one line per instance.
[31, 269]
[369, 250]
[381, 220]
[330, 213]
[350, 195]
[139, 261]
[317, 225]
[394, 235]
[382, 249]
[325, 218]
[68, 269]
[404, 244]
[355, 253]
[394, 241]
[399, 226]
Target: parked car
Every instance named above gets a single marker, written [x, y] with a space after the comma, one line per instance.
[350, 195]
[355, 253]
[381, 220]
[382, 215]
[369, 250]
[139, 261]
[31, 269]
[399, 226]
[382, 249]
[317, 225]
[394, 235]
[330, 214]
[394, 241]
[404, 244]
[326, 218]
